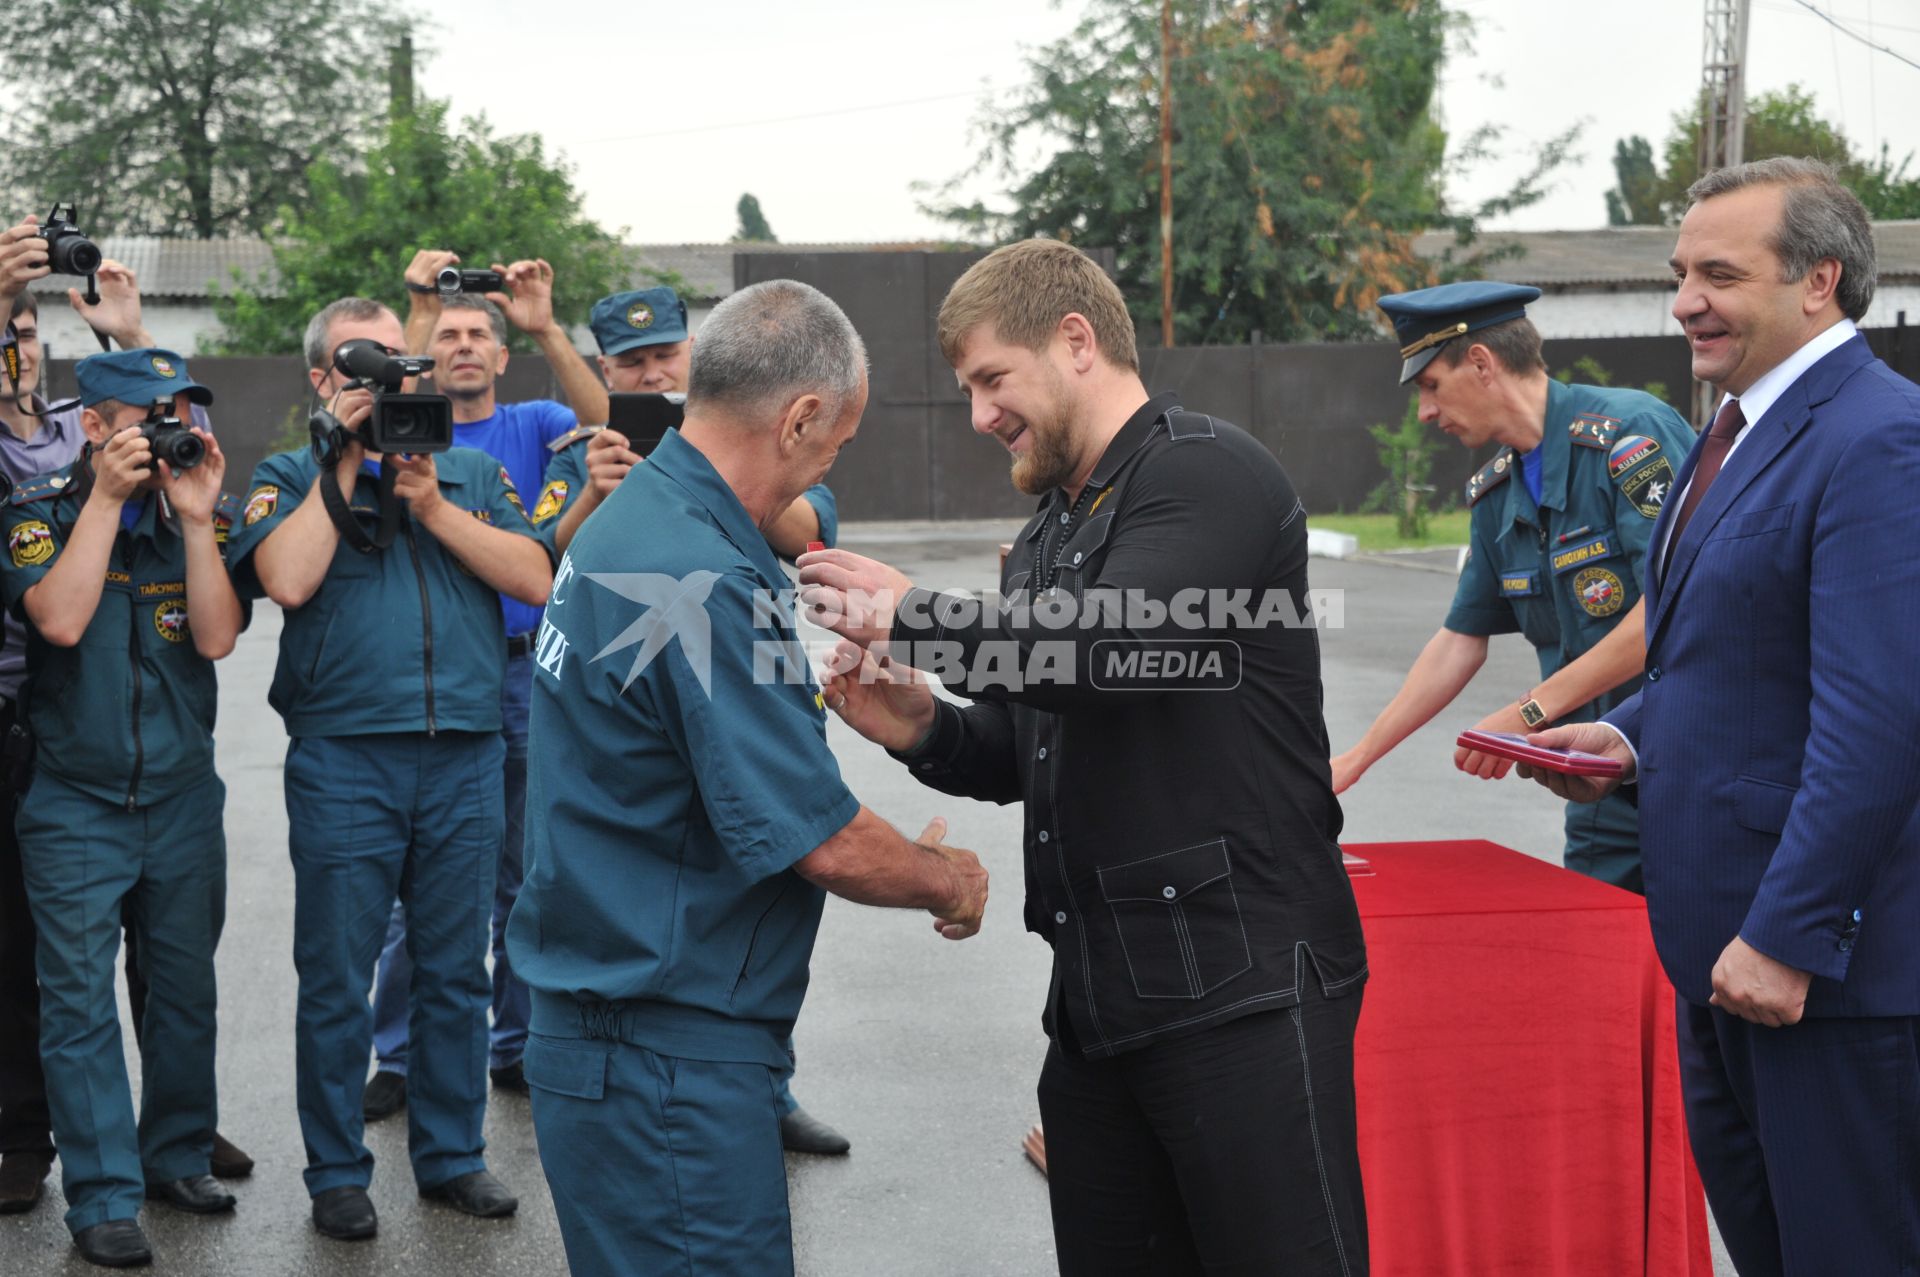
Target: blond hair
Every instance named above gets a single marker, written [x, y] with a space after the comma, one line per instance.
[1024, 290]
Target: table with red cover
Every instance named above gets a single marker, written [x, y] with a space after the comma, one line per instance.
[1518, 1092]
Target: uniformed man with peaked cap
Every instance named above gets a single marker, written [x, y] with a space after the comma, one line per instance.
[1561, 518]
[116, 567]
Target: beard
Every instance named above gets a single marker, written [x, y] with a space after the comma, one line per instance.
[1051, 457]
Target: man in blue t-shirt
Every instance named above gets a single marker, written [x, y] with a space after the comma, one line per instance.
[467, 335]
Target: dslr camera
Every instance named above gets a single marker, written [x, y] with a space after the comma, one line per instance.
[399, 422]
[172, 441]
[452, 280]
[68, 251]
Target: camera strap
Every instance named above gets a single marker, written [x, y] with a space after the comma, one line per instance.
[349, 527]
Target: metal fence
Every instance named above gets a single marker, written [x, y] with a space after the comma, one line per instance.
[917, 457]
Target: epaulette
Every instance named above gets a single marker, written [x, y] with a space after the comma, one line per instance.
[1591, 430]
[40, 488]
[574, 436]
[1490, 476]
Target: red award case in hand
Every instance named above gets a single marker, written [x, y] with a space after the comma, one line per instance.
[1571, 761]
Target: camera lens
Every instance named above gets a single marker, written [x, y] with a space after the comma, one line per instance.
[73, 255]
[449, 279]
[179, 447]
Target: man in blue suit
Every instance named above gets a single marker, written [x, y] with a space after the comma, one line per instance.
[1774, 743]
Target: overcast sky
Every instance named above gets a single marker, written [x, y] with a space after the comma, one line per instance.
[830, 113]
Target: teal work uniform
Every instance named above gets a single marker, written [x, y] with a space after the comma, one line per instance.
[389, 682]
[1564, 572]
[566, 479]
[124, 812]
[680, 760]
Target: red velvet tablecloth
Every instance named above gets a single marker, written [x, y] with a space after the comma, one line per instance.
[1519, 1096]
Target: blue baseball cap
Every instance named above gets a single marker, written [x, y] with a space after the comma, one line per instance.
[643, 317]
[136, 377]
[1429, 318]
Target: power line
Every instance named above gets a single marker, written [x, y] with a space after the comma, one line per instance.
[1851, 34]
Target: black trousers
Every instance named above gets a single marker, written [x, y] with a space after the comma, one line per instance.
[1229, 1151]
[24, 1125]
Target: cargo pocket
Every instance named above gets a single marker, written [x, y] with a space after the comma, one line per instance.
[567, 1067]
[1179, 921]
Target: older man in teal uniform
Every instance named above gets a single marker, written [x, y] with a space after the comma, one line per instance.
[117, 567]
[390, 571]
[647, 348]
[1561, 518]
[694, 817]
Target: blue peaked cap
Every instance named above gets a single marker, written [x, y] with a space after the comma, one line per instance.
[1429, 318]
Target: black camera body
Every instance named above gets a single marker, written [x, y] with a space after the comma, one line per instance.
[399, 422]
[68, 251]
[172, 442]
[452, 280]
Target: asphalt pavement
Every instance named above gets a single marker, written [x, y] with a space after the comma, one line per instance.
[923, 1051]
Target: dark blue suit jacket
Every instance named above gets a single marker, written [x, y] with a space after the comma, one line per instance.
[1779, 724]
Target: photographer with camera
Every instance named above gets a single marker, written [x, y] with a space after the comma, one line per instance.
[460, 318]
[39, 438]
[646, 348]
[117, 567]
[390, 569]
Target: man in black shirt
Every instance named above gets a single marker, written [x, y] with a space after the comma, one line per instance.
[1149, 686]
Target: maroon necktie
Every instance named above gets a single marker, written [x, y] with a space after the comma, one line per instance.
[1713, 454]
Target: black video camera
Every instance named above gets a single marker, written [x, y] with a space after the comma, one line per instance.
[68, 251]
[399, 423]
[453, 280]
[172, 442]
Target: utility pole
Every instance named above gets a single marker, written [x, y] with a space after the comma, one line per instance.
[1166, 172]
[1723, 117]
[400, 77]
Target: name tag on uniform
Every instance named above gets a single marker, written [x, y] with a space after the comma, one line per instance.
[1581, 553]
[1518, 585]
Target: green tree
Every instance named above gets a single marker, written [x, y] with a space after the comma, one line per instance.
[1636, 200]
[1305, 159]
[488, 198]
[1778, 123]
[753, 227]
[185, 117]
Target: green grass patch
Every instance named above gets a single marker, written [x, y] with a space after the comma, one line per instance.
[1378, 532]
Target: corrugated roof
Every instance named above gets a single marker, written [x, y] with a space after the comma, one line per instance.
[1636, 256]
[1612, 257]
[187, 269]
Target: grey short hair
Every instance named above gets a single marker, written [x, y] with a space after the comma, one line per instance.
[1821, 219]
[352, 310]
[771, 342]
[474, 301]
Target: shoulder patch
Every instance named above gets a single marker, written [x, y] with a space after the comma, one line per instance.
[574, 436]
[553, 498]
[1592, 430]
[225, 511]
[40, 488]
[1629, 453]
[261, 503]
[1490, 476]
[31, 544]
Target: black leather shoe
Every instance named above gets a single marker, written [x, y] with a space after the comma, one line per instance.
[196, 1194]
[385, 1095]
[345, 1214]
[22, 1179]
[477, 1193]
[511, 1078]
[118, 1243]
[802, 1132]
[227, 1161]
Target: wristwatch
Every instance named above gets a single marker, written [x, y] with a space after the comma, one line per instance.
[1530, 712]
